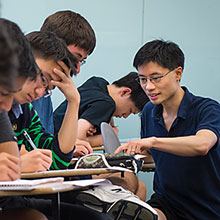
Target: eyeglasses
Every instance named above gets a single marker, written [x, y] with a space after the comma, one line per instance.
[154, 80]
[82, 62]
[45, 85]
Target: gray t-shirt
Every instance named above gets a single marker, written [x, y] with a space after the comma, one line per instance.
[6, 132]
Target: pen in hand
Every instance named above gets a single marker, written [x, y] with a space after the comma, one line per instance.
[28, 138]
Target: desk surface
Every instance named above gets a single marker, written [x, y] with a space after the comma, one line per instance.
[148, 167]
[49, 188]
[68, 172]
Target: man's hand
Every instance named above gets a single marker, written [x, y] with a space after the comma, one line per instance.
[140, 146]
[65, 84]
[91, 131]
[82, 148]
[10, 167]
[36, 160]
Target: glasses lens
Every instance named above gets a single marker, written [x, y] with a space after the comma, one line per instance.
[82, 62]
[137, 79]
[44, 81]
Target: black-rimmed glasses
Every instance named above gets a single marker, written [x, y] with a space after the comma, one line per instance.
[45, 85]
[154, 80]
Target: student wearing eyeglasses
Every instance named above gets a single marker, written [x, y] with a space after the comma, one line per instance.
[181, 131]
[53, 151]
[80, 38]
[11, 82]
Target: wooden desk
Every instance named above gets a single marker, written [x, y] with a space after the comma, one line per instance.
[67, 173]
[50, 188]
[100, 148]
[148, 167]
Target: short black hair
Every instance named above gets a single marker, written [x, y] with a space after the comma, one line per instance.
[47, 45]
[137, 95]
[8, 61]
[27, 64]
[165, 53]
[73, 28]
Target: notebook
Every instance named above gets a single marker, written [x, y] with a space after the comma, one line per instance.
[22, 184]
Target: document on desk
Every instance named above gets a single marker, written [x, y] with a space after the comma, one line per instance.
[28, 184]
[88, 182]
[86, 169]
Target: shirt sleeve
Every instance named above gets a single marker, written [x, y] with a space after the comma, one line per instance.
[44, 140]
[209, 117]
[98, 112]
[6, 133]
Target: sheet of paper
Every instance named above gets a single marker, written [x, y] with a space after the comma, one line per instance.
[28, 184]
[88, 182]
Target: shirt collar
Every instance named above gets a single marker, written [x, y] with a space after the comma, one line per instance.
[183, 108]
[16, 109]
[185, 104]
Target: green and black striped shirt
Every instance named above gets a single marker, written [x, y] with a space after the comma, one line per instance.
[29, 121]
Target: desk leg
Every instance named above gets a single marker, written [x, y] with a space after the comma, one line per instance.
[56, 206]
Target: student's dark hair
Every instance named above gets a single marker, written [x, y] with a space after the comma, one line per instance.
[72, 28]
[8, 61]
[47, 45]
[137, 95]
[26, 61]
[165, 53]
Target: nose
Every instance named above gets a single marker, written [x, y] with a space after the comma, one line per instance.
[78, 67]
[39, 92]
[6, 103]
[149, 85]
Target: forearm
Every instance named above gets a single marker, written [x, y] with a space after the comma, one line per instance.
[193, 145]
[68, 131]
[95, 140]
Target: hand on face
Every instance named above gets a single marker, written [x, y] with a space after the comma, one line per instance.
[36, 160]
[65, 83]
[10, 167]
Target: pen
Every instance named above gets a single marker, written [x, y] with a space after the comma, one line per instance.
[28, 138]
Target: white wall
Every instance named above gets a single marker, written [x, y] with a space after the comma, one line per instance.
[122, 26]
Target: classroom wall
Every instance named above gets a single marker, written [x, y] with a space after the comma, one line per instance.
[122, 26]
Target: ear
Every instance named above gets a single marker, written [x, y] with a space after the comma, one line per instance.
[178, 73]
[125, 92]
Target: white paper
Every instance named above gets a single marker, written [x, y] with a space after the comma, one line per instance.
[88, 182]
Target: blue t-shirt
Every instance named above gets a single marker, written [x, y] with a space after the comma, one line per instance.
[44, 108]
[189, 183]
[96, 105]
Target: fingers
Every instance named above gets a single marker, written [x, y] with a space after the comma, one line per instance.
[23, 150]
[88, 147]
[121, 148]
[131, 148]
[84, 144]
[36, 160]
[65, 68]
[91, 131]
[9, 167]
[46, 158]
